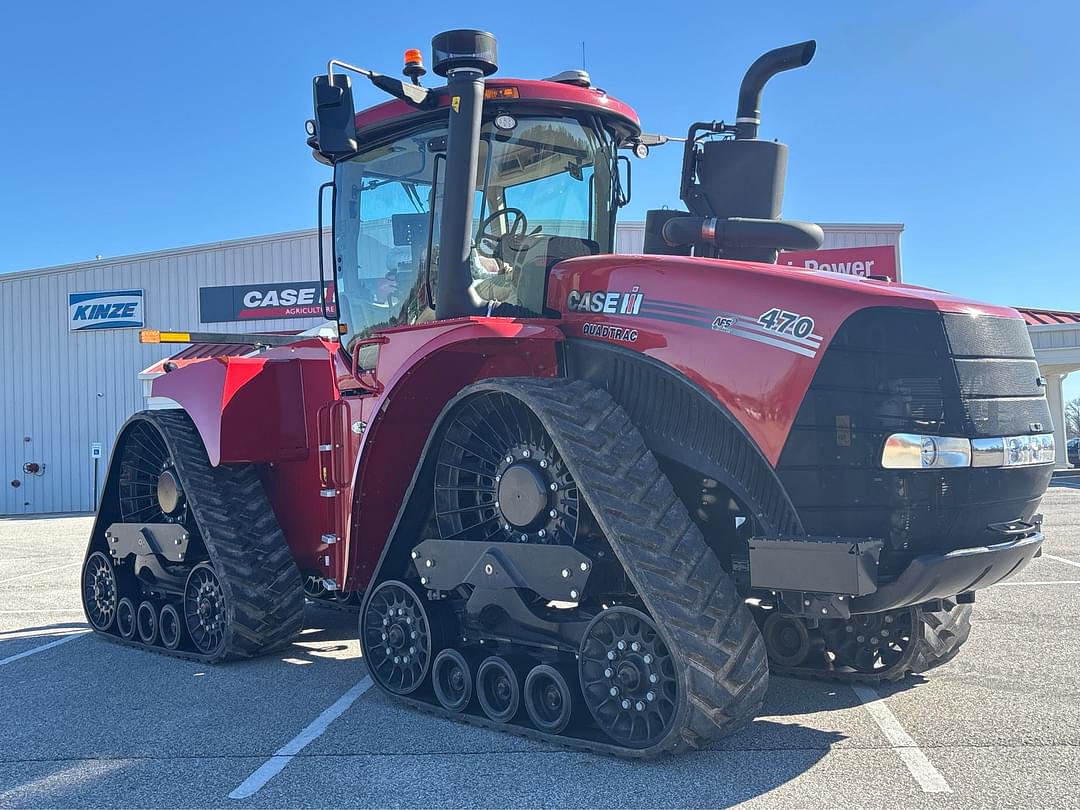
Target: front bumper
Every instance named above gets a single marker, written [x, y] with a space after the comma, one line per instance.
[940, 576]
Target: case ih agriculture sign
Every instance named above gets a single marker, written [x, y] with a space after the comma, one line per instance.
[245, 302]
[113, 309]
[879, 260]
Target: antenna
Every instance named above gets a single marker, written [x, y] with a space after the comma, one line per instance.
[583, 54]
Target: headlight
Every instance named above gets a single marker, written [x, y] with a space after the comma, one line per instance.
[910, 451]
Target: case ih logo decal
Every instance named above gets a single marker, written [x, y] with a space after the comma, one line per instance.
[606, 303]
[115, 309]
[245, 302]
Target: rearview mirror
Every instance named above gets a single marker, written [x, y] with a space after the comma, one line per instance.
[625, 180]
[335, 115]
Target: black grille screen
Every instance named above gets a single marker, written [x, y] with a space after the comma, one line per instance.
[902, 370]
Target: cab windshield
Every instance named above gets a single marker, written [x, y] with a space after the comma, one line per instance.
[545, 190]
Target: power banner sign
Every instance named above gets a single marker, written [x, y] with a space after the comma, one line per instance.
[878, 260]
[246, 302]
[112, 309]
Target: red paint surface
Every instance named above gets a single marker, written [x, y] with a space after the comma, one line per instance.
[761, 385]
[552, 94]
[876, 260]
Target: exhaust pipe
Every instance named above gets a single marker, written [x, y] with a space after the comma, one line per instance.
[465, 58]
[748, 116]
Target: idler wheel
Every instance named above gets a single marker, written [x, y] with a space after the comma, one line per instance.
[396, 636]
[99, 591]
[628, 677]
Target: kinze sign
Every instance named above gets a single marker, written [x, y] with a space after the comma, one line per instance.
[113, 309]
[246, 302]
[878, 260]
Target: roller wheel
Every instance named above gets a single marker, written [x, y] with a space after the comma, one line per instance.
[452, 679]
[788, 640]
[628, 677]
[396, 636]
[125, 619]
[548, 699]
[146, 623]
[99, 591]
[205, 610]
[170, 627]
[498, 689]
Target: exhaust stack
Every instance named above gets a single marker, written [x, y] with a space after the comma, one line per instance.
[748, 115]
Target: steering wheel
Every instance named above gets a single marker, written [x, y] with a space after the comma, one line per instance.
[489, 244]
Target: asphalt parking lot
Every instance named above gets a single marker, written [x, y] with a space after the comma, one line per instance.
[87, 723]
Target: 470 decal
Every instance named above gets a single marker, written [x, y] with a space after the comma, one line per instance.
[787, 323]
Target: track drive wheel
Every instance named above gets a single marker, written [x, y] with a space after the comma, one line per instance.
[100, 593]
[397, 637]
[628, 677]
[206, 612]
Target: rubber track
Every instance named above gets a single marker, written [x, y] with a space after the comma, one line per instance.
[719, 653]
[941, 633]
[263, 589]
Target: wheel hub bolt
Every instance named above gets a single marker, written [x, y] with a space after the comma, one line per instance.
[635, 646]
[405, 660]
[608, 673]
[526, 453]
[650, 696]
[860, 639]
[541, 533]
[414, 635]
[653, 677]
[384, 636]
[873, 639]
[584, 566]
[412, 650]
[613, 691]
[626, 703]
[888, 620]
[524, 538]
[639, 706]
[611, 655]
[553, 514]
[509, 459]
[621, 645]
[647, 658]
[388, 651]
[543, 464]
[397, 659]
[885, 633]
[553, 486]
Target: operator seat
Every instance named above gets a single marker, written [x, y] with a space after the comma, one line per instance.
[545, 253]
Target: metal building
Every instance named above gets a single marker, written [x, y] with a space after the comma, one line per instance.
[69, 383]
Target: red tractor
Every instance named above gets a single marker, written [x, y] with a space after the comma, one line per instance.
[589, 498]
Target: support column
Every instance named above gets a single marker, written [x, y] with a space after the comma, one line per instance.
[1056, 400]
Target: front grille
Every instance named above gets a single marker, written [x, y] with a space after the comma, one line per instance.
[891, 370]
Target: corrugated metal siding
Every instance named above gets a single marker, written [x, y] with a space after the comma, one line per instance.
[64, 390]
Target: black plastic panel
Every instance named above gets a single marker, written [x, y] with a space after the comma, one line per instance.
[891, 371]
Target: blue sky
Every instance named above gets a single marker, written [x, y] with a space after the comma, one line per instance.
[132, 127]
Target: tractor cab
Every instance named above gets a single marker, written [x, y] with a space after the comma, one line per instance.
[544, 186]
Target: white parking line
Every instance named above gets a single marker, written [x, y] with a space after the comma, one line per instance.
[273, 766]
[42, 648]
[1038, 582]
[928, 777]
[1060, 559]
[39, 573]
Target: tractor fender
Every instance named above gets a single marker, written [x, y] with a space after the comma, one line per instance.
[680, 421]
[438, 361]
[254, 409]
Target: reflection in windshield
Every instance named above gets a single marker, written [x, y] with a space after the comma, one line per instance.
[543, 189]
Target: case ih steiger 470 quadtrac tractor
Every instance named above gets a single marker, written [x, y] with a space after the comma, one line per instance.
[584, 497]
